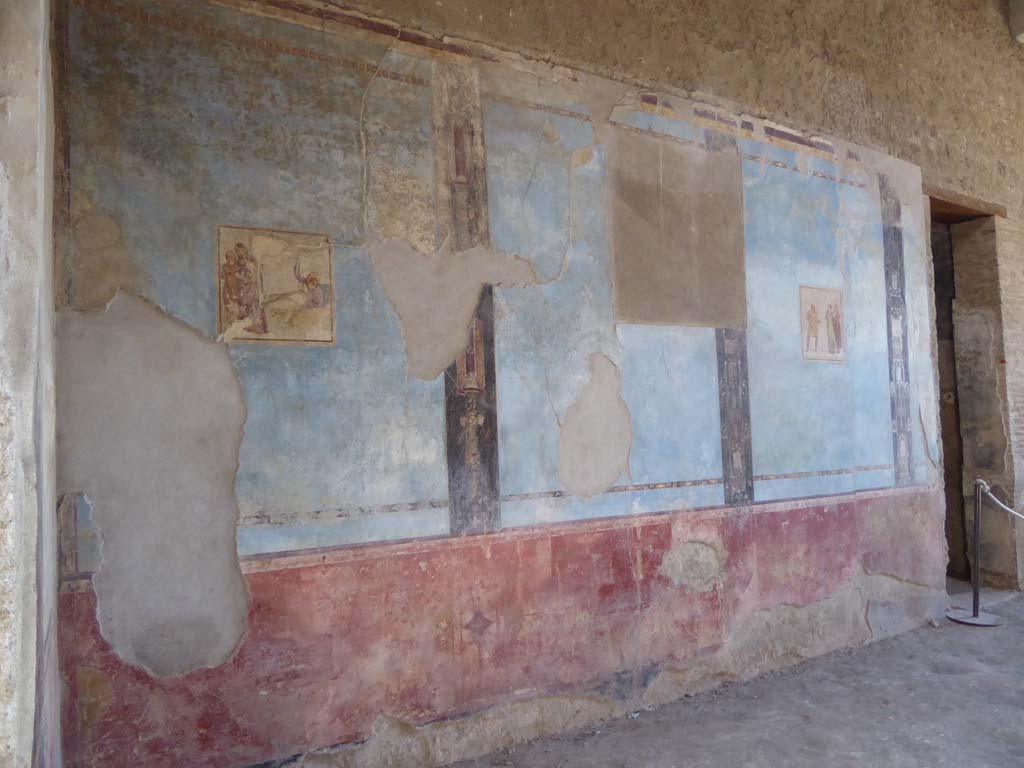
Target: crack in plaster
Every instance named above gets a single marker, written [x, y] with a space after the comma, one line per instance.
[926, 438]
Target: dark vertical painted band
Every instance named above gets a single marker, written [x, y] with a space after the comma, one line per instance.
[734, 409]
[471, 414]
[471, 417]
[896, 318]
[733, 387]
[59, 46]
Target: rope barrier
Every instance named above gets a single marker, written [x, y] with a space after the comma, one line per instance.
[987, 490]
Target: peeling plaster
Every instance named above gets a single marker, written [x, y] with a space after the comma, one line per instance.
[399, 744]
[866, 608]
[790, 633]
[150, 419]
[596, 433]
[435, 295]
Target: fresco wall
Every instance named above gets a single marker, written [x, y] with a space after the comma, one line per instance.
[462, 293]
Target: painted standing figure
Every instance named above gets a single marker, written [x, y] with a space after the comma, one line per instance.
[830, 329]
[837, 329]
[231, 287]
[812, 327]
[240, 284]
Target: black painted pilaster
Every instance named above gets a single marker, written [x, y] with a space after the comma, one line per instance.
[896, 319]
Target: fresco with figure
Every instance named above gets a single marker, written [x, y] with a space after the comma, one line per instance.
[269, 286]
[467, 296]
[823, 330]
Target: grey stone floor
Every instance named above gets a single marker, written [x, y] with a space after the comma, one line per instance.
[940, 696]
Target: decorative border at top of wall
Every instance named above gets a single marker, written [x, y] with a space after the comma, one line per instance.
[647, 101]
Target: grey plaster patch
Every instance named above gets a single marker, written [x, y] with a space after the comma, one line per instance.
[596, 434]
[692, 564]
[435, 295]
[150, 418]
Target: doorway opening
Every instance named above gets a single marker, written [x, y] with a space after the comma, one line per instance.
[947, 212]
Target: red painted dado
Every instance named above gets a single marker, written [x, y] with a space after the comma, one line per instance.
[426, 630]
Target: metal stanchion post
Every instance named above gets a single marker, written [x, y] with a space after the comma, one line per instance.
[976, 565]
[976, 617]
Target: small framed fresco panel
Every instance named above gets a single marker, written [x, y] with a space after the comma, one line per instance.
[274, 286]
[822, 330]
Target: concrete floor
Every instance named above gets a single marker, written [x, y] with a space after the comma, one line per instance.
[961, 596]
[940, 696]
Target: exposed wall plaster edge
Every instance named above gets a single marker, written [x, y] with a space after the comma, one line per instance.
[88, 488]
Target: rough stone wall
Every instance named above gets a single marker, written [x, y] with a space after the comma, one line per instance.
[1010, 247]
[28, 685]
[939, 83]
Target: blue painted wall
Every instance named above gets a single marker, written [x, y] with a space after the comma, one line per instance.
[173, 134]
[800, 229]
[172, 139]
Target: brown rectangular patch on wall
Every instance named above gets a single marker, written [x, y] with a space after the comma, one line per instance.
[677, 232]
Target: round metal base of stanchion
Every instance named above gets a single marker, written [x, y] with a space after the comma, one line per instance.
[964, 616]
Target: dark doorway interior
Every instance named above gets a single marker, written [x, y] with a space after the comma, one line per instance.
[949, 410]
[960, 418]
